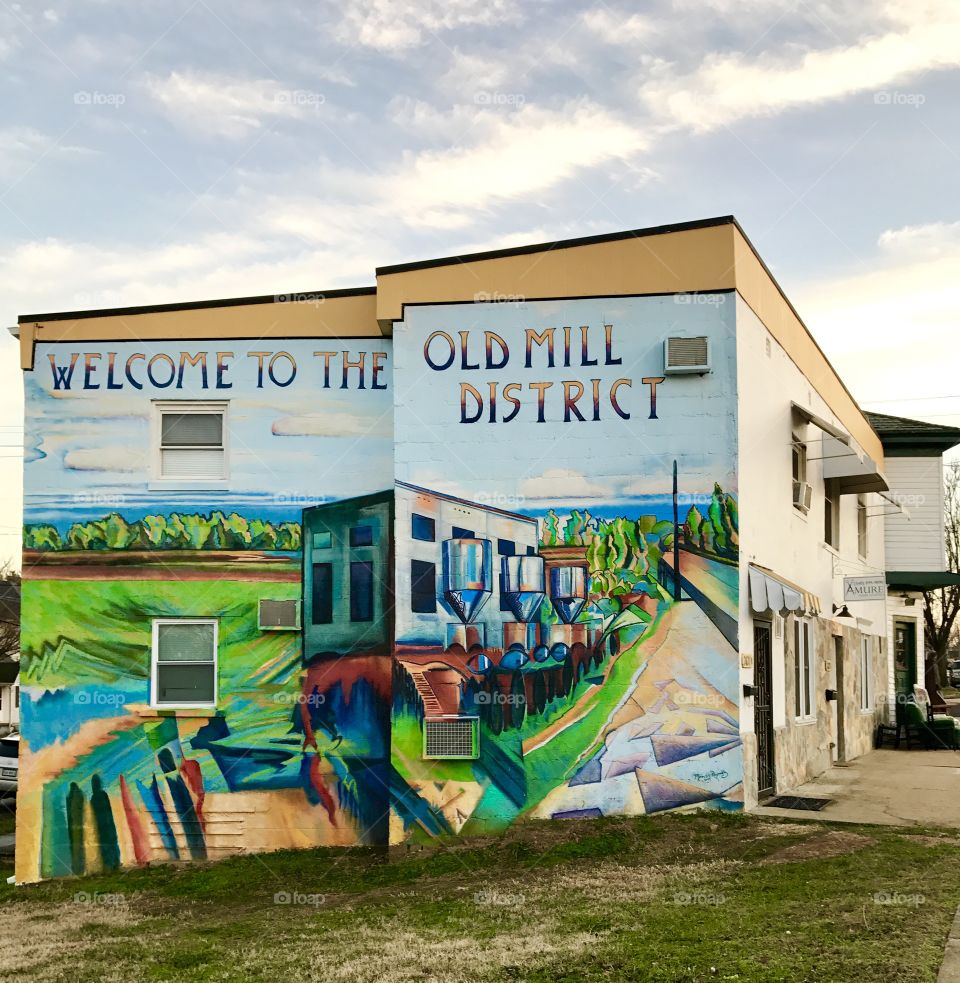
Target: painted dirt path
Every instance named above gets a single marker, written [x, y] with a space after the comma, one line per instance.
[673, 739]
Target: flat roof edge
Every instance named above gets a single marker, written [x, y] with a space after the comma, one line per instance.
[197, 304]
[705, 223]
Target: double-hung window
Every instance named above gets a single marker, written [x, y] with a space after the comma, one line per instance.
[184, 664]
[805, 707]
[801, 490]
[831, 514]
[866, 689]
[191, 441]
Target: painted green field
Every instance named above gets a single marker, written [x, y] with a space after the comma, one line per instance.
[59, 613]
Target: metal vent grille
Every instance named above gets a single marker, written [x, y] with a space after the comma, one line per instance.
[279, 615]
[686, 354]
[451, 737]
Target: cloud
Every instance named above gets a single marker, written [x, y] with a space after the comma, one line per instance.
[123, 459]
[22, 148]
[890, 330]
[332, 425]
[726, 88]
[398, 25]
[933, 240]
[562, 484]
[615, 28]
[491, 158]
[223, 105]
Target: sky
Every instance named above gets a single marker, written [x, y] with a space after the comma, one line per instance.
[191, 149]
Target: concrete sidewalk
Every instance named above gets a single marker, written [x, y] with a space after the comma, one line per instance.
[889, 788]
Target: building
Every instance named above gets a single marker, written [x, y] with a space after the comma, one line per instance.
[577, 529]
[914, 538]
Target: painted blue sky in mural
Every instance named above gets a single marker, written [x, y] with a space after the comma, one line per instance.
[95, 453]
[565, 462]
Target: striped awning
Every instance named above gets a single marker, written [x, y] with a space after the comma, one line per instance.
[771, 592]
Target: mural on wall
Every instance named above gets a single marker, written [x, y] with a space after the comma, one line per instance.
[296, 751]
[522, 526]
[550, 481]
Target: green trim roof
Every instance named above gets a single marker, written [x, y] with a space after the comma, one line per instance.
[900, 431]
[921, 579]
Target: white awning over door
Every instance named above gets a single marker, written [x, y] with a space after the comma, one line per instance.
[771, 592]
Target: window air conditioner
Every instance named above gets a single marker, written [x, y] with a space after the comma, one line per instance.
[686, 356]
[279, 615]
[802, 495]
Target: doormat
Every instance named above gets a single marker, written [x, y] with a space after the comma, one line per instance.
[800, 802]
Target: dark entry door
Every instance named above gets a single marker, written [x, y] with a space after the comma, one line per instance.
[763, 707]
[904, 657]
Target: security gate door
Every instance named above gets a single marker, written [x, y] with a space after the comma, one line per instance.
[763, 708]
[904, 659]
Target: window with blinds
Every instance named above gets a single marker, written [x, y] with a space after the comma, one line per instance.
[185, 662]
[192, 441]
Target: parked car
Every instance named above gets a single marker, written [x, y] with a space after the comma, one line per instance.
[953, 672]
[9, 762]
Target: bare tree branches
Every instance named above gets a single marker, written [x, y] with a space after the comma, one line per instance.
[942, 606]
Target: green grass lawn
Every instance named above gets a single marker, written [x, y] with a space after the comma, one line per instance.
[708, 896]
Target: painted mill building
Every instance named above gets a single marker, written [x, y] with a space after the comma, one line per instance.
[578, 529]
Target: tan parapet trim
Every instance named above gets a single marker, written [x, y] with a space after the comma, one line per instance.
[26, 334]
[756, 286]
[331, 317]
[672, 262]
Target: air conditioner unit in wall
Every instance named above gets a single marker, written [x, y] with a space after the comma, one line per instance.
[279, 615]
[451, 737]
[686, 356]
[802, 495]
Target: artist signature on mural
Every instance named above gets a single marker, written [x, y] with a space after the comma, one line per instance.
[710, 776]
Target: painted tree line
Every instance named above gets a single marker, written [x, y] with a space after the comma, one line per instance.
[623, 553]
[178, 530]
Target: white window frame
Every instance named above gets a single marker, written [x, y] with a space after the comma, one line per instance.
[798, 467]
[805, 654]
[866, 674]
[155, 662]
[863, 541]
[799, 454]
[219, 407]
[831, 507]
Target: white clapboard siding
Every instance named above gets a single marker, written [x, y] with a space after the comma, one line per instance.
[917, 543]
